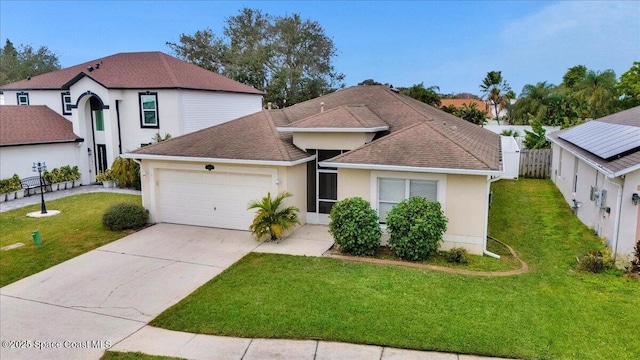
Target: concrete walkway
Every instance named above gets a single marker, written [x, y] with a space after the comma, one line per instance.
[103, 300]
[35, 199]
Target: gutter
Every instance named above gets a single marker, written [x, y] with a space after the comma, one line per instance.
[411, 169]
[217, 160]
[486, 219]
[616, 221]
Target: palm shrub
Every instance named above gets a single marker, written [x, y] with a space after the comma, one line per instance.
[126, 172]
[123, 216]
[271, 221]
[416, 226]
[354, 226]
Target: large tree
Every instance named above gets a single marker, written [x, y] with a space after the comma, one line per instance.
[496, 91]
[598, 91]
[629, 86]
[25, 61]
[288, 57]
[424, 94]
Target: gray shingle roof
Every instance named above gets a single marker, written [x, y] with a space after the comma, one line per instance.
[418, 135]
[628, 160]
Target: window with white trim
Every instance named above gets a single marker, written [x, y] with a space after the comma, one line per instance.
[149, 110]
[66, 103]
[23, 98]
[392, 191]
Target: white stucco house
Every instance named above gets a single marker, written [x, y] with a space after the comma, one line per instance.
[366, 141]
[119, 102]
[35, 134]
[596, 167]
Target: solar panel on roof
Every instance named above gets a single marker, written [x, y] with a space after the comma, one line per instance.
[603, 139]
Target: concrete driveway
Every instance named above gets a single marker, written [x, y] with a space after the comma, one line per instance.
[79, 308]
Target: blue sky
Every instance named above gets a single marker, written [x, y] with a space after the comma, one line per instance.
[451, 44]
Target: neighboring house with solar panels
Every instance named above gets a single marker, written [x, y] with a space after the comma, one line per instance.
[596, 166]
[119, 102]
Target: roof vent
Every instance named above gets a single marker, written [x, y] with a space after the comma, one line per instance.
[322, 107]
[97, 66]
[454, 128]
[269, 105]
[90, 68]
[394, 89]
[28, 77]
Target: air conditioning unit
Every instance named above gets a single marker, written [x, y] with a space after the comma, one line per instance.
[601, 199]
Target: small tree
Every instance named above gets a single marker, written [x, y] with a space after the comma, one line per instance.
[271, 221]
[535, 139]
[471, 113]
[416, 226]
[126, 172]
[510, 132]
[354, 225]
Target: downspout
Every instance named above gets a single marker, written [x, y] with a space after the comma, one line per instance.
[486, 219]
[616, 221]
[119, 132]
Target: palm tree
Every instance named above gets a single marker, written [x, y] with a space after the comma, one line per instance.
[449, 108]
[427, 95]
[598, 91]
[271, 221]
[534, 100]
[496, 91]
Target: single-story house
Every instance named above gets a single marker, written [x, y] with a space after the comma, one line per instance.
[366, 141]
[119, 102]
[31, 134]
[596, 166]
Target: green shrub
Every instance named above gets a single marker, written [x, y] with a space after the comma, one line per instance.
[458, 256]
[122, 216]
[595, 261]
[415, 228]
[354, 226]
[126, 173]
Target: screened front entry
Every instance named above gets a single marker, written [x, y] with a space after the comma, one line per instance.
[322, 185]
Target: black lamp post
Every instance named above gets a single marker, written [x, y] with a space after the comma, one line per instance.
[40, 167]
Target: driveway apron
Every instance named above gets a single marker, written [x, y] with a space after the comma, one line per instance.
[80, 308]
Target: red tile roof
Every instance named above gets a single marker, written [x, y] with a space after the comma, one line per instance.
[139, 70]
[458, 103]
[33, 124]
[418, 135]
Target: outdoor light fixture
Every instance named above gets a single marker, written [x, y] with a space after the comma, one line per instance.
[576, 204]
[40, 167]
[635, 199]
[209, 167]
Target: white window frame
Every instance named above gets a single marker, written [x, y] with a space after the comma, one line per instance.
[441, 180]
[26, 96]
[143, 110]
[65, 96]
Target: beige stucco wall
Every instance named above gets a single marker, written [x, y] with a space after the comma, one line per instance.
[292, 179]
[295, 182]
[331, 141]
[354, 182]
[462, 198]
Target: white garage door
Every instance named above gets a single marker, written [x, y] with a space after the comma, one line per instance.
[211, 198]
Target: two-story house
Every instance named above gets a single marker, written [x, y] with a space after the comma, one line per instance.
[118, 103]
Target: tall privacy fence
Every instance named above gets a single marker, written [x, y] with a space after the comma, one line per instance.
[535, 163]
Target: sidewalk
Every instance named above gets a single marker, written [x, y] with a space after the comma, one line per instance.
[155, 341]
[35, 199]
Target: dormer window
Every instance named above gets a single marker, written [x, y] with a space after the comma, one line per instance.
[23, 98]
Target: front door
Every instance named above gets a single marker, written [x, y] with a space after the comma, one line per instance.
[324, 190]
[101, 157]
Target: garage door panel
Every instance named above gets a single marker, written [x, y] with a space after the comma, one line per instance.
[216, 199]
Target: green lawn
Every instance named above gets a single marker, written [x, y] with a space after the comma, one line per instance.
[76, 230]
[551, 312]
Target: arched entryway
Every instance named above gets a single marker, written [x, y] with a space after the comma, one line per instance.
[92, 122]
